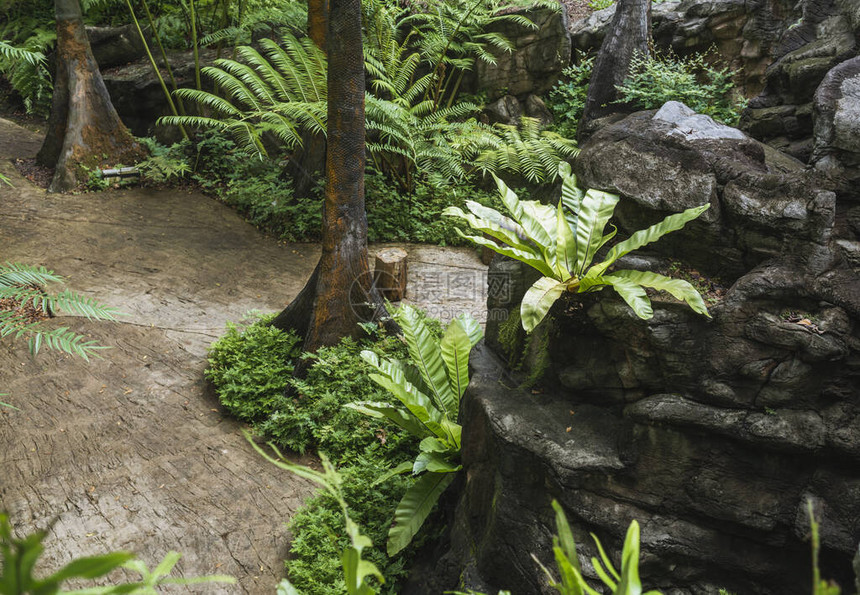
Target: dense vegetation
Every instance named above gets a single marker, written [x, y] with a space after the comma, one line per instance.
[250, 368]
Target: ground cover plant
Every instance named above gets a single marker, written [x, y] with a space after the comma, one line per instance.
[696, 80]
[250, 368]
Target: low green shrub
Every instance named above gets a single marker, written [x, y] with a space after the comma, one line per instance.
[567, 98]
[701, 86]
[251, 366]
[314, 566]
[396, 216]
[315, 417]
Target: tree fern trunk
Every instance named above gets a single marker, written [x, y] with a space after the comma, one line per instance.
[83, 126]
[342, 281]
[628, 34]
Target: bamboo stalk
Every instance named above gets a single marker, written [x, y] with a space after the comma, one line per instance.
[155, 67]
[163, 55]
[195, 48]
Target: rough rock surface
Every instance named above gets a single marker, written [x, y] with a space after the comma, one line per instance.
[762, 203]
[822, 37]
[138, 97]
[713, 433]
[115, 46]
[742, 33]
[781, 50]
[536, 63]
[836, 114]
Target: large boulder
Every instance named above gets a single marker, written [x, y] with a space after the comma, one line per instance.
[114, 46]
[762, 203]
[837, 127]
[743, 33]
[713, 433]
[823, 36]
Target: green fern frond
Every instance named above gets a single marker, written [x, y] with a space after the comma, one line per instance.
[24, 285]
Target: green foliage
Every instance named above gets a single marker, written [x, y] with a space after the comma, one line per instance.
[567, 99]
[562, 243]
[23, 285]
[819, 585]
[429, 388]
[523, 150]
[411, 133]
[394, 215]
[314, 565]
[356, 571]
[26, 69]
[19, 557]
[572, 582]
[693, 81]
[251, 367]
[315, 417]
[600, 4]
[164, 164]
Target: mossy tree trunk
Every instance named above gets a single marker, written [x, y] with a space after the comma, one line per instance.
[83, 129]
[629, 33]
[333, 301]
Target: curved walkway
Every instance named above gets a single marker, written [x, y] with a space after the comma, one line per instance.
[133, 451]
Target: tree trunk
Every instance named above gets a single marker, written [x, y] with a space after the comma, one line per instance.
[629, 33]
[340, 293]
[390, 273]
[318, 22]
[84, 129]
[309, 159]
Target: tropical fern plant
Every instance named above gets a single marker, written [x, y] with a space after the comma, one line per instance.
[356, 571]
[282, 93]
[21, 287]
[428, 388]
[453, 34]
[563, 242]
[27, 71]
[523, 150]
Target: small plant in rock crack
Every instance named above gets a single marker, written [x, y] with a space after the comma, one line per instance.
[563, 242]
[429, 388]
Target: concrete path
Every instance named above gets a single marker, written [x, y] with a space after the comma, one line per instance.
[133, 451]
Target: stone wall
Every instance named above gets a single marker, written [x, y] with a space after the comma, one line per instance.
[713, 433]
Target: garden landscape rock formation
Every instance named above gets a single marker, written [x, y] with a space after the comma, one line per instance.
[712, 433]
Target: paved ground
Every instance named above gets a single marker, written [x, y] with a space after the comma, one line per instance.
[133, 451]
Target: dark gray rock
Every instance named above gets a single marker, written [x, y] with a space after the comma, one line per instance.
[536, 63]
[115, 46]
[762, 203]
[837, 127]
[537, 109]
[712, 432]
[504, 110]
